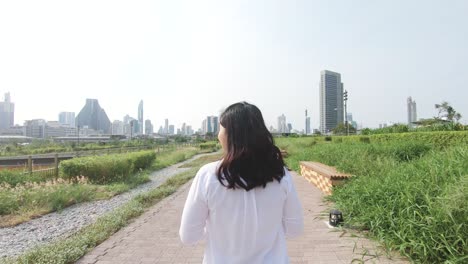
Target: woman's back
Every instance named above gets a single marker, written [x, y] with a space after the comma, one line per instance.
[245, 204]
[241, 226]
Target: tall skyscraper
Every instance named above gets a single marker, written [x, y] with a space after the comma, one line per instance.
[189, 131]
[210, 125]
[215, 124]
[282, 125]
[166, 126]
[148, 127]
[94, 117]
[7, 113]
[307, 124]
[140, 116]
[67, 118]
[171, 129]
[331, 101]
[412, 116]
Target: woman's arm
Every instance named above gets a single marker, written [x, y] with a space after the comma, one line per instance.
[192, 227]
[293, 220]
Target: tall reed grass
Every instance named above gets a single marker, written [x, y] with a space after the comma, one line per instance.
[411, 195]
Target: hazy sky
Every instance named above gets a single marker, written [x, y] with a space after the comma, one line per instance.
[190, 59]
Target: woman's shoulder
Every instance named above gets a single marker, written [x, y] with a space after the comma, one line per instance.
[208, 170]
[210, 167]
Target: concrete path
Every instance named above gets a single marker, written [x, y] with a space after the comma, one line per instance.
[154, 238]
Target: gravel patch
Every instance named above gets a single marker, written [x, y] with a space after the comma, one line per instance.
[46, 229]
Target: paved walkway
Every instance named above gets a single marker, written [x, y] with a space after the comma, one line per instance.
[154, 237]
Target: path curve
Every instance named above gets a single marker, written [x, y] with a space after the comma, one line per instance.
[46, 229]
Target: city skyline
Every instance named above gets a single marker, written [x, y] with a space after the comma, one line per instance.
[190, 60]
[296, 126]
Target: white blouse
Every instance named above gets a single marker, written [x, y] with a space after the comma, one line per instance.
[241, 226]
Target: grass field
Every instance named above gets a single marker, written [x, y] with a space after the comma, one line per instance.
[70, 249]
[412, 196]
[24, 196]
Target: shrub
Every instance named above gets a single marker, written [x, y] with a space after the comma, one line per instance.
[105, 169]
[208, 145]
[14, 177]
[328, 138]
[364, 139]
[440, 139]
[410, 151]
[142, 160]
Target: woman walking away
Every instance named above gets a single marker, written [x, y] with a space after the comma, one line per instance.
[245, 205]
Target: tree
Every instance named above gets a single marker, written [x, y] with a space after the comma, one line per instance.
[341, 129]
[446, 112]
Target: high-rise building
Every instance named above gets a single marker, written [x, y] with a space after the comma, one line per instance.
[215, 125]
[118, 128]
[67, 118]
[148, 127]
[183, 129]
[189, 131]
[140, 116]
[351, 120]
[7, 113]
[171, 129]
[94, 117]
[136, 127]
[331, 101]
[282, 125]
[210, 125]
[127, 119]
[308, 131]
[166, 126]
[412, 116]
[289, 128]
[35, 128]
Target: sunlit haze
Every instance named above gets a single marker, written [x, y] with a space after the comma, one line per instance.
[190, 59]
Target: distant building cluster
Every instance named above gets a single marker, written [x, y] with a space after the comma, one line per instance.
[92, 120]
[210, 125]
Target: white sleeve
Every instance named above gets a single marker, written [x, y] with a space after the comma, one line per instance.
[192, 227]
[293, 220]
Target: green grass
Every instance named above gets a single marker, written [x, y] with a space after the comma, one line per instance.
[24, 202]
[14, 178]
[71, 249]
[169, 158]
[31, 197]
[411, 196]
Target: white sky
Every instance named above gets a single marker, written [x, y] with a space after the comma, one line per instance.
[190, 59]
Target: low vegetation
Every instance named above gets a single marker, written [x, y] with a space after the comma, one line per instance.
[109, 168]
[25, 196]
[410, 190]
[71, 249]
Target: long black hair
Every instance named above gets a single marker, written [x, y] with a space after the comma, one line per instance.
[251, 158]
